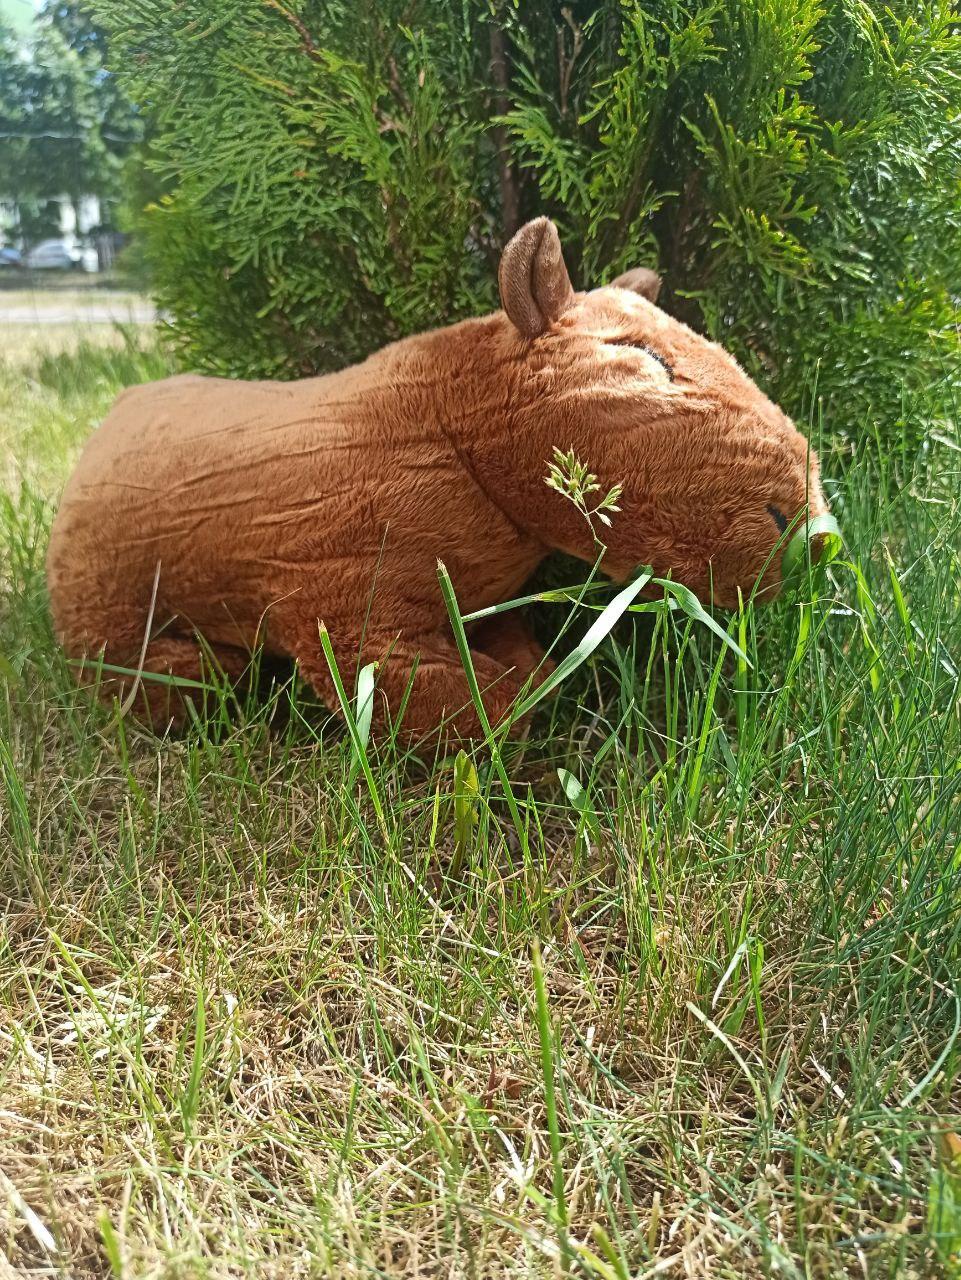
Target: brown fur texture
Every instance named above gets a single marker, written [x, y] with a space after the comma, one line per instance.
[236, 513]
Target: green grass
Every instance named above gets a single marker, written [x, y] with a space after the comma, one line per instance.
[699, 1018]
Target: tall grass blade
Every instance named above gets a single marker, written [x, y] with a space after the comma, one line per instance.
[463, 649]
[599, 629]
[546, 1038]
[363, 716]
[358, 744]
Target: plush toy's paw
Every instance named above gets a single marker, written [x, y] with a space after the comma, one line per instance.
[154, 687]
[509, 640]
[438, 698]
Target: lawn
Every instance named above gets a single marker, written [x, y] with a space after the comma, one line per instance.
[51, 318]
[699, 1017]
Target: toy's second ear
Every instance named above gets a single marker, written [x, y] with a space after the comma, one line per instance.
[641, 280]
[534, 284]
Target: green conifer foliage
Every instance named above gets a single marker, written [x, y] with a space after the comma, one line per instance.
[340, 173]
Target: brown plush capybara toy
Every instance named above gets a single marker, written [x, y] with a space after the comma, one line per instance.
[206, 516]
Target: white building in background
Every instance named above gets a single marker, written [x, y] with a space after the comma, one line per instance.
[89, 216]
[75, 223]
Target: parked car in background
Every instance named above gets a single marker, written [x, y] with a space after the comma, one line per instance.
[52, 255]
[10, 257]
[60, 255]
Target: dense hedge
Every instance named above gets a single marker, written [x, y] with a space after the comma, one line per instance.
[338, 173]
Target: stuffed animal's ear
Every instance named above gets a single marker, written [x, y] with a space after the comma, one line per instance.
[534, 284]
[641, 280]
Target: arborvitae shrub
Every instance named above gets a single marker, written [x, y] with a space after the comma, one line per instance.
[339, 174]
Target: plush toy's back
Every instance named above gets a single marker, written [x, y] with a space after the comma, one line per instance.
[247, 513]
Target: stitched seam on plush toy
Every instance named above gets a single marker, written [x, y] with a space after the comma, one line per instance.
[469, 468]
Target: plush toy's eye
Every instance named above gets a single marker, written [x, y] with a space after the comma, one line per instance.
[642, 346]
[780, 519]
[668, 369]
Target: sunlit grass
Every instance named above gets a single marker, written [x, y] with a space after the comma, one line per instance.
[276, 999]
[24, 343]
[47, 317]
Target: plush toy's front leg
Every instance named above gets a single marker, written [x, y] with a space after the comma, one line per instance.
[439, 695]
[509, 640]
